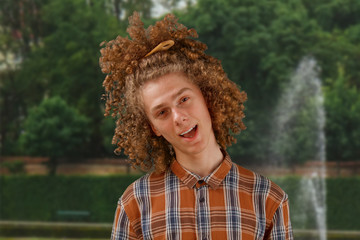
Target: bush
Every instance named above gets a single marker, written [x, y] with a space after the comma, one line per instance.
[54, 129]
[343, 208]
[341, 198]
[55, 231]
[39, 198]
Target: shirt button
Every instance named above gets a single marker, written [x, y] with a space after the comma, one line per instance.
[201, 181]
[202, 199]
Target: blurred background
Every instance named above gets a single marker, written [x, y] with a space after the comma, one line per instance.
[298, 61]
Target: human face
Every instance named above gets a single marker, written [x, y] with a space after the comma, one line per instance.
[178, 112]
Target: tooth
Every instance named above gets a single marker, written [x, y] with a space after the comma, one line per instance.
[187, 131]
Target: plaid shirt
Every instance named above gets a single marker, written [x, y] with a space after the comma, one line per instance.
[230, 203]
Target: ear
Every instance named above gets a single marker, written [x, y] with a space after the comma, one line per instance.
[157, 133]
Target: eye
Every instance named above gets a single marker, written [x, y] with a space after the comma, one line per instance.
[161, 113]
[184, 99]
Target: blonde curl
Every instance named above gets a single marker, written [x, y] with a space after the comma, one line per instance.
[127, 70]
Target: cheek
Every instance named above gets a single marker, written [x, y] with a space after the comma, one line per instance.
[160, 128]
[154, 127]
[155, 130]
[203, 110]
[206, 116]
[166, 130]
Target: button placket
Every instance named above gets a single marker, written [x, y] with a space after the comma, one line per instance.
[202, 213]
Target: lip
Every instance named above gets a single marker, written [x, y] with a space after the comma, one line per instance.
[187, 131]
[192, 138]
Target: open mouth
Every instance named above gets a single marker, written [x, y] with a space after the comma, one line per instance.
[189, 133]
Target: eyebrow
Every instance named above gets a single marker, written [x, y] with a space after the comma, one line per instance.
[175, 95]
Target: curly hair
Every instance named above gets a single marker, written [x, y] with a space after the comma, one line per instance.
[122, 59]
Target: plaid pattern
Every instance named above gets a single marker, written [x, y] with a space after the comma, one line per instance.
[231, 203]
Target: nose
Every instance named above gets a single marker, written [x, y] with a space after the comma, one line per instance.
[179, 117]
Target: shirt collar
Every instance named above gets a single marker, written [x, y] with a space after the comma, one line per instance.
[213, 180]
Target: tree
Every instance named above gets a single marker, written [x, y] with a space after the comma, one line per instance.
[334, 14]
[20, 29]
[66, 63]
[259, 44]
[21, 19]
[122, 9]
[343, 117]
[54, 130]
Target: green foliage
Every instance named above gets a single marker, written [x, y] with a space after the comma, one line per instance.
[38, 198]
[341, 199]
[14, 167]
[141, 6]
[343, 210]
[54, 232]
[298, 143]
[54, 129]
[299, 119]
[19, 31]
[66, 62]
[249, 37]
[23, 27]
[343, 118]
[107, 130]
[300, 212]
[334, 14]
[259, 43]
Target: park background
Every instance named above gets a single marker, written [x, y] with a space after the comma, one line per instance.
[51, 105]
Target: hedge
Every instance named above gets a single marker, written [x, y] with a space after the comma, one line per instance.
[343, 209]
[344, 201]
[40, 229]
[39, 198]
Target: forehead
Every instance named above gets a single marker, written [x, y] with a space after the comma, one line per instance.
[165, 88]
[169, 81]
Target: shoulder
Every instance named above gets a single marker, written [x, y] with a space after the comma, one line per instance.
[264, 193]
[137, 196]
[140, 187]
[260, 185]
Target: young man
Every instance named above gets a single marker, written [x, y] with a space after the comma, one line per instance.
[176, 113]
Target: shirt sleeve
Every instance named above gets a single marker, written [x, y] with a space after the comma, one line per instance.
[122, 228]
[281, 225]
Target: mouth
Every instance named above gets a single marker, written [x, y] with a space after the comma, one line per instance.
[189, 133]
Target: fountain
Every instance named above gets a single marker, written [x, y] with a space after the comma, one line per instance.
[297, 137]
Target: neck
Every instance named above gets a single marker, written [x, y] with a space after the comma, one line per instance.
[202, 163]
